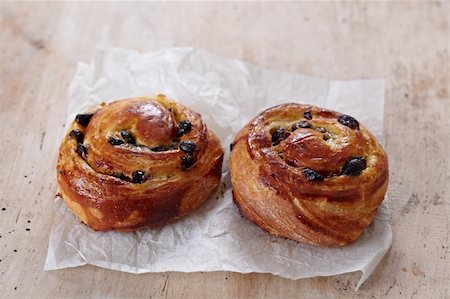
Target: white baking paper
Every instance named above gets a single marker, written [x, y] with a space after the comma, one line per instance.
[227, 93]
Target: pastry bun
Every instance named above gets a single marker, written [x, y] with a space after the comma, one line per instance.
[137, 163]
[308, 174]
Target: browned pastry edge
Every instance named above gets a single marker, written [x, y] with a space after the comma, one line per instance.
[142, 180]
[271, 190]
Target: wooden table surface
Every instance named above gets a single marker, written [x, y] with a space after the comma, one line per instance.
[405, 43]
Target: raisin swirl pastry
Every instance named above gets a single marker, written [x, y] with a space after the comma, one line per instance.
[137, 163]
[308, 174]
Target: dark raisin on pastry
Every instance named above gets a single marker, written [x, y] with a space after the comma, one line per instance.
[115, 141]
[188, 147]
[184, 127]
[187, 161]
[307, 114]
[311, 175]
[326, 136]
[320, 129]
[82, 150]
[301, 124]
[348, 121]
[138, 177]
[84, 119]
[279, 135]
[119, 175]
[354, 166]
[78, 135]
[159, 148]
[128, 137]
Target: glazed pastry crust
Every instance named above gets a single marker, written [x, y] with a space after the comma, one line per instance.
[271, 189]
[100, 188]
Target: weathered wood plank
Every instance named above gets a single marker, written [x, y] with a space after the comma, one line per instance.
[406, 43]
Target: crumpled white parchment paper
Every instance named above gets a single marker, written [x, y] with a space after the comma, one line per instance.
[227, 93]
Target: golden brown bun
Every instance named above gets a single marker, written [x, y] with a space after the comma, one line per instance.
[137, 163]
[320, 185]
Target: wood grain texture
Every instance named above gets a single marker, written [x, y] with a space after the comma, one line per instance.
[406, 43]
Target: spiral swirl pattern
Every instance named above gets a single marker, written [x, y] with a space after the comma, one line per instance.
[308, 174]
[137, 163]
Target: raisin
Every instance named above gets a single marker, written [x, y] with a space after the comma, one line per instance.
[159, 148]
[184, 127]
[311, 175]
[115, 141]
[166, 147]
[78, 135]
[188, 147]
[84, 119]
[174, 144]
[119, 175]
[187, 161]
[320, 129]
[231, 146]
[354, 166]
[82, 150]
[138, 177]
[326, 136]
[348, 121]
[301, 124]
[181, 132]
[307, 114]
[128, 137]
[279, 135]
